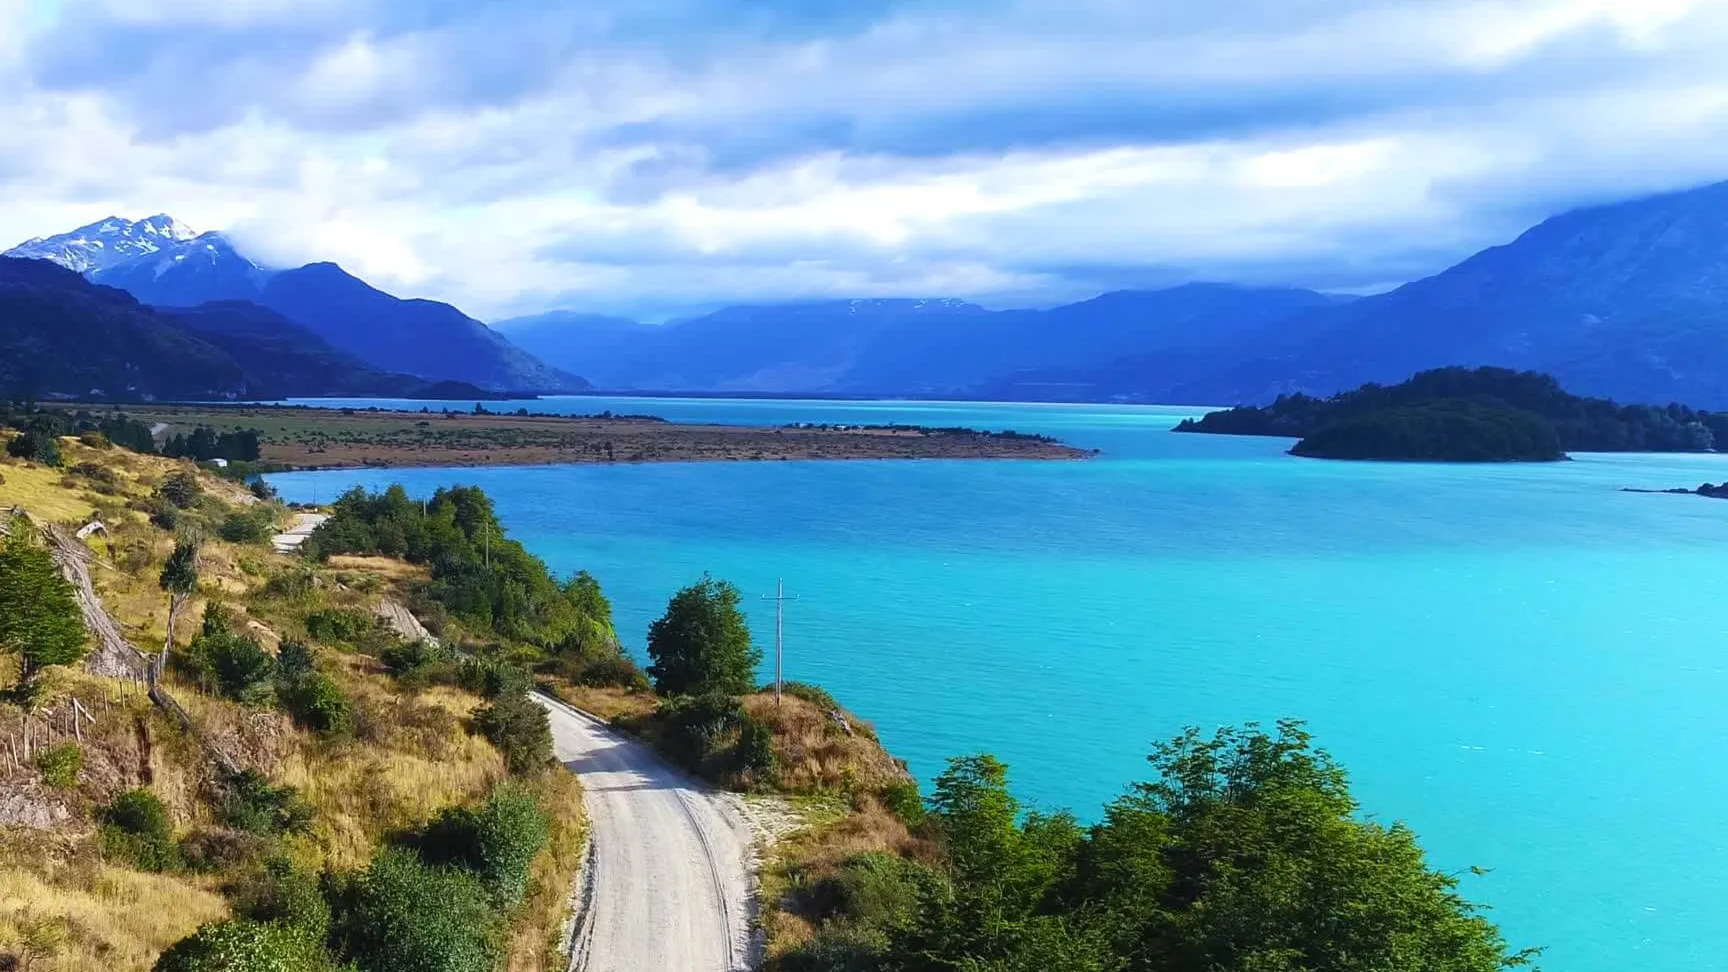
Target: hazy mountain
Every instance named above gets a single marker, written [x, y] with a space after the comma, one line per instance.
[1627, 301]
[61, 333]
[900, 346]
[186, 273]
[105, 243]
[420, 337]
[591, 345]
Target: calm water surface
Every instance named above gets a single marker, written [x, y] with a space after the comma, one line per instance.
[1522, 662]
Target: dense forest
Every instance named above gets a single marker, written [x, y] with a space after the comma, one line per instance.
[41, 425]
[1465, 414]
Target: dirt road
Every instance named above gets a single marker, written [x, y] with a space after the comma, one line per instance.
[667, 883]
[298, 531]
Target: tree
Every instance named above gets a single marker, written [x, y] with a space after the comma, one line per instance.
[702, 644]
[180, 579]
[39, 616]
[35, 445]
[181, 489]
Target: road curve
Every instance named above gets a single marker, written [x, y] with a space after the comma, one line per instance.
[666, 886]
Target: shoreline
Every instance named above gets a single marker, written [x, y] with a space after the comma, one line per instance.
[301, 439]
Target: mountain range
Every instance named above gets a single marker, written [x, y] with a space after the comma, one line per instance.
[1628, 301]
[165, 265]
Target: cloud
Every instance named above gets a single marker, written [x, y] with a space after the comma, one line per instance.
[661, 155]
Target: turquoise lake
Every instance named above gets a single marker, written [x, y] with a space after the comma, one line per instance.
[1525, 664]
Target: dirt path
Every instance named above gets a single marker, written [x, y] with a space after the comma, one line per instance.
[298, 531]
[667, 884]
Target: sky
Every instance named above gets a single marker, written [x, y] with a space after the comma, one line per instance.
[659, 157]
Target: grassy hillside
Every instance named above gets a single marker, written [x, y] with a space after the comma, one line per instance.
[315, 795]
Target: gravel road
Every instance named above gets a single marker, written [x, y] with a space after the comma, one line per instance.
[667, 884]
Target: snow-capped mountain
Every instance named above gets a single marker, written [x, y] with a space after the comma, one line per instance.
[107, 243]
[187, 273]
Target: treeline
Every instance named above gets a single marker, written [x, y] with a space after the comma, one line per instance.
[487, 583]
[1450, 430]
[39, 427]
[1579, 424]
[1244, 851]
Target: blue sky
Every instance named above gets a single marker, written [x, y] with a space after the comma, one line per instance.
[659, 156]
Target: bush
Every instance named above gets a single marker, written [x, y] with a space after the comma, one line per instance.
[699, 723]
[228, 663]
[35, 446]
[255, 525]
[616, 672]
[903, 801]
[315, 702]
[816, 695]
[520, 730]
[340, 624]
[99, 476]
[420, 662]
[60, 765]
[496, 842]
[164, 515]
[95, 440]
[246, 946]
[135, 831]
[251, 804]
[181, 489]
[755, 753]
[284, 894]
[403, 915]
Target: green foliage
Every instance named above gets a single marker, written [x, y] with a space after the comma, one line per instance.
[60, 765]
[224, 661]
[181, 489]
[1473, 404]
[282, 893]
[403, 915]
[496, 842]
[903, 801]
[256, 524]
[136, 832]
[419, 661]
[701, 644]
[246, 946]
[343, 625]
[311, 698]
[816, 695]
[179, 575]
[205, 443]
[36, 446]
[1244, 852]
[251, 804]
[1450, 431]
[520, 730]
[39, 616]
[483, 578]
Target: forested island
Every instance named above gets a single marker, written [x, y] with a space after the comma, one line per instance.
[1468, 415]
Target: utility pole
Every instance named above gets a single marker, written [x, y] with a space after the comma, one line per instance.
[779, 598]
[488, 543]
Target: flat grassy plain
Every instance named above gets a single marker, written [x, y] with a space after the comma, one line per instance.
[321, 438]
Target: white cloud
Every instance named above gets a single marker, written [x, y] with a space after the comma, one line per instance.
[516, 156]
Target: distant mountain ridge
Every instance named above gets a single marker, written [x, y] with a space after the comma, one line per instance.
[165, 264]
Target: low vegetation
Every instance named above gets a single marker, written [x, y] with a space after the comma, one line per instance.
[1462, 414]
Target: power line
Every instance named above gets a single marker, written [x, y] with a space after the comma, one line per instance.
[779, 597]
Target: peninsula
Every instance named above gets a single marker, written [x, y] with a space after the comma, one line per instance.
[302, 437]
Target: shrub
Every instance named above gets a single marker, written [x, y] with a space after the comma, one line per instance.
[903, 801]
[251, 804]
[292, 584]
[616, 672]
[403, 915]
[816, 695]
[246, 946]
[60, 765]
[755, 753]
[520, 730]
[496, 842]
[317, 703]
[420, 662]
[223, 661]
[135, 831]
[99, 476]
[282, 893]
[36, 446]
[164, 515]
[255, 525]
[699, 723]
[181, 489]
[340, 624]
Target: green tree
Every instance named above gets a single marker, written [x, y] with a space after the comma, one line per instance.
[404, 915]
[238, 945]
[702, 644]
[179, 578]
[39, 616]
[181, 489]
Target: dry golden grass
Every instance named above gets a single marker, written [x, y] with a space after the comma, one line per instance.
[606, 703]
[391, 570]
[66, 912]
[815, 753]
[39, 490]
